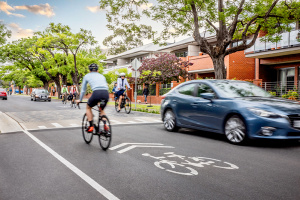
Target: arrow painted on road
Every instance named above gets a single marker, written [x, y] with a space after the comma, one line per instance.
[135, 145]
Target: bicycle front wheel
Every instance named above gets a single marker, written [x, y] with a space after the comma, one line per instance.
[117, 105]
[105, 133]
[127, 105]
[85, 124]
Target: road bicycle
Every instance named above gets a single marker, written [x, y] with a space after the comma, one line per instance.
[125, 103]
[105, 136]
[64, 98]
[72, 102]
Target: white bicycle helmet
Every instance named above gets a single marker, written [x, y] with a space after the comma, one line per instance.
[122, 74]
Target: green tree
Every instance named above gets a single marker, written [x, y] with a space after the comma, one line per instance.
[4, 33]
[230, 21]
[18, 52]
[60, 37]
[126, 37]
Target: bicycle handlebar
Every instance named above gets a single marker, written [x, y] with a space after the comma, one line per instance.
[80, 103]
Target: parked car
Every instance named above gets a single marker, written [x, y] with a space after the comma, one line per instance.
[17, 91]
[3, 94]
[40, 94]
[238, 109]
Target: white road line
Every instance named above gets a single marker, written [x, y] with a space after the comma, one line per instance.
[57, 125]
[157, 120]
[124, 144]
[74, 125]
[73, 168]
[115, 121]
[141, 120]
[42, 127]
[132, 122]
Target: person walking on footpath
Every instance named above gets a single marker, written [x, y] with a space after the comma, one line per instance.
[10, 90]
[146, 93]
[114, 91]
[53, 91]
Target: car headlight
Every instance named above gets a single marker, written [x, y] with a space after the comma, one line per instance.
[264, 113]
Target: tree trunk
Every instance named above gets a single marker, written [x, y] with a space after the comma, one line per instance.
[46, 85]
[219, 66]
[64, 79]
[58, 86]
[19, 90]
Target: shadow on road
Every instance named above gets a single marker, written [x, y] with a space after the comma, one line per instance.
[261, 143]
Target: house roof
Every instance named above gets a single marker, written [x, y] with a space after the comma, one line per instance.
[148, 48]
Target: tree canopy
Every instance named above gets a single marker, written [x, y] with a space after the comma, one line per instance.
[55, 55]
[4, 33]
[164, 68]
[228, 20]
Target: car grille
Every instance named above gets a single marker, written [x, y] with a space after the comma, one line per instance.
[294, 118]
[293, 134]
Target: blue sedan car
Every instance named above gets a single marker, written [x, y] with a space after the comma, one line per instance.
[238, 109]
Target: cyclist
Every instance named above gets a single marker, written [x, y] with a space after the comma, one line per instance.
[64, 93]
[100, 93]
[121, 87]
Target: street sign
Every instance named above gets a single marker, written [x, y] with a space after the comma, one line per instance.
[135, 64]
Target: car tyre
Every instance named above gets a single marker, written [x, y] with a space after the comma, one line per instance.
[170, 121]
[31, 99]
[235, 130]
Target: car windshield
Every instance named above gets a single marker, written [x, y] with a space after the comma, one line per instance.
[42, 92]
[235, 89]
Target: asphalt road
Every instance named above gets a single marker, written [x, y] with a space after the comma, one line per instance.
[47, 164]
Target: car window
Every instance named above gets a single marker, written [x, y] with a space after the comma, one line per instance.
[187, 89]
[203, 88]
[2, 90]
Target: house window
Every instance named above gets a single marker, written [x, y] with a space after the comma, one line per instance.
[287, 76]
[181, 54]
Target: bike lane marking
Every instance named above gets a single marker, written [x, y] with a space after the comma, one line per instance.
[73, 168]
[57, 125]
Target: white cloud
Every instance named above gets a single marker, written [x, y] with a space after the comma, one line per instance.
[146, 6]
[42, 9]
[4, 7]
[18, 32]
[93, 9]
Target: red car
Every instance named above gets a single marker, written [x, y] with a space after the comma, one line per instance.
[3, 94]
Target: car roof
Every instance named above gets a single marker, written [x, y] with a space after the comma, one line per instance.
[209, 81]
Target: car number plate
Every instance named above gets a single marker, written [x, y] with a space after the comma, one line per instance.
[297, 123]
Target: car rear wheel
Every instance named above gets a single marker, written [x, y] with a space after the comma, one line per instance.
[170, 121]
[235, 130]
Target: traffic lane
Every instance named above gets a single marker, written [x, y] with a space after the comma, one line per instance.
[267, 172]
[27, 171]
[18, 103]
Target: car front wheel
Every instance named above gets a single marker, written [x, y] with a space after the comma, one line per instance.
[235, 130]
[170, 121]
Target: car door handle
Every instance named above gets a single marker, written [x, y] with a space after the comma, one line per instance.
[174, 100]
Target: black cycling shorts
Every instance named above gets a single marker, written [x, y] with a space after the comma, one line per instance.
[99, 96]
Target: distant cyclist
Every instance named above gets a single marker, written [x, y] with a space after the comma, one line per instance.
[121, 87]
[100, 94]
[64, 93]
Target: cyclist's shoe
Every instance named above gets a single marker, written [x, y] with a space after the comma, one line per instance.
[90, 129]
[106, 128]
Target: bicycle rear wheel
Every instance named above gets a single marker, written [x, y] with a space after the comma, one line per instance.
[105, 135]
[85, 124]
[127, 105]
[117, 105]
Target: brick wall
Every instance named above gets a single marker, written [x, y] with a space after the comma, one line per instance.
[240, 67]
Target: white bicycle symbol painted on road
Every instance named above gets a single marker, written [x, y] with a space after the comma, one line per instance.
[186, 165]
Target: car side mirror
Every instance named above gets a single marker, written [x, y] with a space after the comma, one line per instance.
[208, 96]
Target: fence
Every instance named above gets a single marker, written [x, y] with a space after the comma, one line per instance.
[288, 39]
[281, 89]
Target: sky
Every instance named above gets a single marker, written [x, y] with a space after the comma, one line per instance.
[24, 17]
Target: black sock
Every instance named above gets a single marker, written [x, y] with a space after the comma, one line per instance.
[91, 123]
